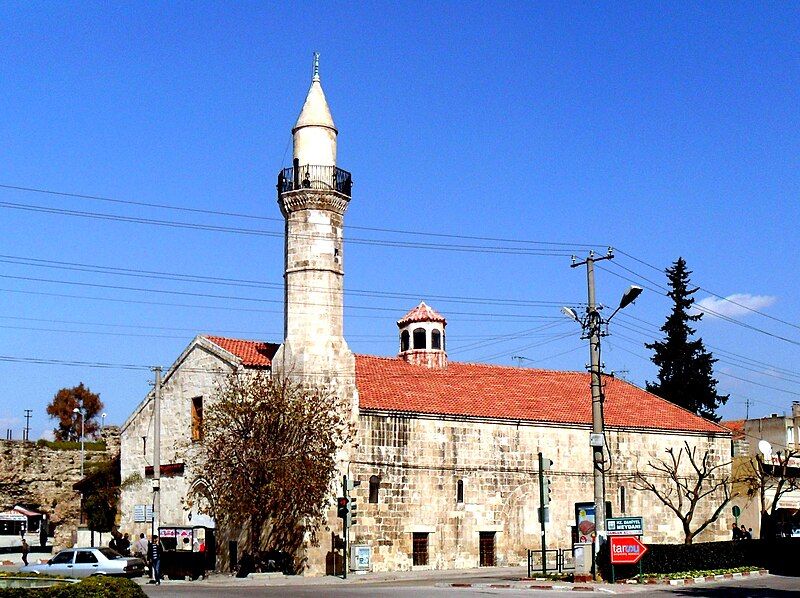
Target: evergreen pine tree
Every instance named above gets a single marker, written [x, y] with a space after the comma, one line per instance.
[685, 368]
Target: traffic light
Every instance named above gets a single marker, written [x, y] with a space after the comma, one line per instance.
[343, 507]
[353, 511]
[546, 491]
[545, 465]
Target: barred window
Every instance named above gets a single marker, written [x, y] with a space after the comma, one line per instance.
[420, 553]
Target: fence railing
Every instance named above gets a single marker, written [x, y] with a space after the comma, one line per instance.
[557, 560]
[312, 176]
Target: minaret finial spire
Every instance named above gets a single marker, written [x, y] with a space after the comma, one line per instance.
[316, 67]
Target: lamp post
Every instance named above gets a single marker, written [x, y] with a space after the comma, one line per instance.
[594, 327]
[102, 422]
[78, 411]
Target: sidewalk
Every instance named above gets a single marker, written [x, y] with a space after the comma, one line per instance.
[486, 575]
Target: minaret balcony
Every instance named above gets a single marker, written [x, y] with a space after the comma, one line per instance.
[310, 176]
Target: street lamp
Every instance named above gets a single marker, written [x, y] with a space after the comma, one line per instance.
[78, 411]
[594, 327]
[102, 423]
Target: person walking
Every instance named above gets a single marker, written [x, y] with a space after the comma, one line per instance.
[154, 550]
[25, 550]
[140, 547]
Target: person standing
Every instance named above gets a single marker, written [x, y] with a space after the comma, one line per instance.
[737, 533]
[43, 531]
[124, 545]
[154, 551]
[25, 550]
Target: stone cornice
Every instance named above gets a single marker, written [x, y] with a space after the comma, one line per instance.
[313, 199]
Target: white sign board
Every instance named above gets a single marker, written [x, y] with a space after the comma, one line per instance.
[625, 526]
[360, 557]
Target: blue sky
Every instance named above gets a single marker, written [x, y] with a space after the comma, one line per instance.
[663, 130]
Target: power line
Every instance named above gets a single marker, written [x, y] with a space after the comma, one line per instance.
[213, 307]
[281, 234]
[655, 329]
[275, 219]
[640, 278]
[253, 299]
[717, 295]
[250, 283]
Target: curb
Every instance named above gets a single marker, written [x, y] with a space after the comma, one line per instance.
[524, 584]
[708, 578]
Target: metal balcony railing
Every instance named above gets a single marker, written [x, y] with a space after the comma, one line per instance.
[312, 176]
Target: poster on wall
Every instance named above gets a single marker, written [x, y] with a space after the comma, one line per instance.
[584, 519]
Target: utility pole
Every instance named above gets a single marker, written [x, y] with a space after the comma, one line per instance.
[27, 435]
[593, 331]
[345, 528]
[156, 448]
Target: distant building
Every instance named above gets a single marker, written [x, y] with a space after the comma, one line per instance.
[771, 439]
[446, 453]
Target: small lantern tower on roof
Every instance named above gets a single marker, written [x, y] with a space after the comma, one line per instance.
[422, 338]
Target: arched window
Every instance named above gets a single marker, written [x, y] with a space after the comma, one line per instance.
[460, 491]
[404, 339]
[419, 339]
[374, 484]
[436, 340]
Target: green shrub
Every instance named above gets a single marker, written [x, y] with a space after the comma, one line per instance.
[92, 587]
[781, 556]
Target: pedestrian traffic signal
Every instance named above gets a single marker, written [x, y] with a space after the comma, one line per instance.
[342, 507]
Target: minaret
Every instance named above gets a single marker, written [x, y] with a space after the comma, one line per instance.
[313, 195]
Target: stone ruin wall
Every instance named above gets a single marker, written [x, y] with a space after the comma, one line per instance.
[42, 478]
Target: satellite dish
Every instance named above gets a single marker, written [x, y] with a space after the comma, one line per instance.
[765, 448]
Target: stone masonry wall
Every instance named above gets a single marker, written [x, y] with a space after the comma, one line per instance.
[198, 375]
[419, 462]
[41, 477]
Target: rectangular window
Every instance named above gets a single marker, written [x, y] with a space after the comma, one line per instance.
[420, 554]
[790, 435]
[622, 505]
[487, 549]
[197, 419]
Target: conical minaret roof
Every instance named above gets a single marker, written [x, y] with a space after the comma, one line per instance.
[315, 112]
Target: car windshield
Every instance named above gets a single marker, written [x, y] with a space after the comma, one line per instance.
[110, 554]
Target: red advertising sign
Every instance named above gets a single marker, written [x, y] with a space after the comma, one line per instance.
[626, 550]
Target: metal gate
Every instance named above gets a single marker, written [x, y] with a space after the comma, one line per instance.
[557, 560]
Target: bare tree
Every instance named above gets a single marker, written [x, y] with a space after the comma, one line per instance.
[687, 487]
[771, 477]
[270, 449]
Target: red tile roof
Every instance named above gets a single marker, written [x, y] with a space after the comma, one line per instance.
[736, 426]
[421, 313]
[514, 393]
[478, 390]
[254, 354]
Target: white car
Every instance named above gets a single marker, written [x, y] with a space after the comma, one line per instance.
[85, 562]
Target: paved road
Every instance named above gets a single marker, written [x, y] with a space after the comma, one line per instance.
[763, 587]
